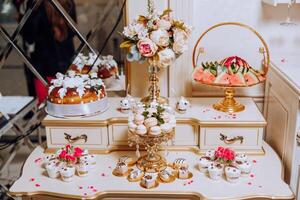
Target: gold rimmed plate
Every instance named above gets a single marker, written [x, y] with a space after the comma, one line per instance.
[171, 179]
[135, 179]
[116, 173]
[154, 186]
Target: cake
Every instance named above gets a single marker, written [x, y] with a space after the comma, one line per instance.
[165, 175]
[148, 181]
[231, 71]
[182, 105]
[82, 64]
[67, 173]
[105, 67]
[215, 171]
[241, 157]
[183, 173]
[232, 174]
[210, 154]
[83, 168]
[203, 164]
[127, 160]
[245, 167]
[52, 169]
[135, 175]
[121, 168]
[180, 162]
[76, 94]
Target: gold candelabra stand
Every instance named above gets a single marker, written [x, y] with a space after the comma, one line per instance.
[152, 161]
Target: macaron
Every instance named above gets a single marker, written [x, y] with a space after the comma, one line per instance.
[150, 122]
[166, 117]
[155, 130]
[166, 128]
[139, 119]
[132, 126]
[141, 129]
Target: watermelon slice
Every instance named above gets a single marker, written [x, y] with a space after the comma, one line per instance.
[223, 79]
[198, 74]
[237, 79]
[251, 79]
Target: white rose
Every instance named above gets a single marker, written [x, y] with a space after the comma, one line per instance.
[180, 40]
[160, 37]
[166, 57]
[179, 47]
[179, 34]
[164, 24]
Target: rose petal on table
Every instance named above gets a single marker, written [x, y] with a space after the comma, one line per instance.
[37, 185]
[32, 179]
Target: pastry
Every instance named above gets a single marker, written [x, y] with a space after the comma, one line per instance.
[182, 105]
[155, 130]
[245, 167]
[135, 174]
[215, 171]
[105, 67]
[203, 164]
[126, 159]
[52, 169]
[166, 117]
[150, 122]
[91, 159]
[166, 128]
[180, 162]
[121, 168]
[132, 126]
[232, 174]
[81, 65]
[67, 173]
[183, 173]
[47, 159]
[165, 175]
[148, 181]
[139, 119]
[83, 168]
[141, 129]
[125, 105]
[210, 154]
[240, 157]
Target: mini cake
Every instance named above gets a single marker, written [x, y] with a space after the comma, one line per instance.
[182, 105]
[241, 157]
[203, 164]
[180, 162]
[47, 159]
[126, 159]
[148, 181]
[183, 173]
[105, 67]
[67, 173]
[210, 154]
[121, 168]
[125, 105]
[245, 167]
[91, 159]
[52, 169]
[141, 129]
[73, 95]
[82, 64]
[83, 168]
[136, 174]
[215, 171]
[232, 174]
[155, 130]
[150, 122]
[165, 175]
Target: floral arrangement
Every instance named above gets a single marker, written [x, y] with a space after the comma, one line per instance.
[224, 155]
[70, 155]
[157, 38]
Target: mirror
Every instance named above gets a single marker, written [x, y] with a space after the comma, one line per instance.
[73, 27]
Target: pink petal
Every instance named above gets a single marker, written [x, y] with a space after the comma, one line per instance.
[80, 187]
[85, 194]
[94, 190]
[37, 185]
[249, 183]
[251, 175]
[32, 179]
[254, 161]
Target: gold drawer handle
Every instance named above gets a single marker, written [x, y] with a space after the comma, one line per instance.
[226, 140]
[75, 139]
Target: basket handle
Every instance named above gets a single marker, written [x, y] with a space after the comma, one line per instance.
[264, 50]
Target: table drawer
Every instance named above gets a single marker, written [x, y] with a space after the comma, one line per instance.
[86, 137]
[246, 139]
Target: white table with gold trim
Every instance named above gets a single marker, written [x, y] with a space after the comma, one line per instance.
[263, 182]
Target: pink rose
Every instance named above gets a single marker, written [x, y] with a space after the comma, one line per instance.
[146, 47]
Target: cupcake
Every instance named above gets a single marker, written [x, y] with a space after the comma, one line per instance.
[52, 169]
[240, 157]
[166, 128]
[83, 168]
[139, 119]
[203, 164]
[165, 175]
[150, 122]
[182, 105]
[47, 159]
[245, 167]
[180, 162]
[125, 105]
[148, 181]
[183, 173]
[215, 171]
[121, 168]
[141, 129]
[67, 173]
[91, 159]
[155, 130]
[135, 174]
[232, 174]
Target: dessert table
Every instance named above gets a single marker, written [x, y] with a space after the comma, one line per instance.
[264, 182]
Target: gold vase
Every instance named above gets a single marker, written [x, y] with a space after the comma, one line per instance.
[154, 90]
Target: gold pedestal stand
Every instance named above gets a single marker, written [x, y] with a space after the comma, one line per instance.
[154, 90]
[229, 104]
[151, 162]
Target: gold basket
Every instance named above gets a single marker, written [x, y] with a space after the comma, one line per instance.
[229, 104]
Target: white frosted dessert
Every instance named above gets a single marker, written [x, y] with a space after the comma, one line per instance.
[52, 169]
[125, 105]
[83, 168]
[165, 175]
[126, 159]
[67, 173]
[132, 126]
[182, 105]
[232, 174]
[183, 173]
[148, 181]
[180, 162]
[139, 119]
[210, 154]
[215, 171]
[150, 122]
[241, 157]
[136, 174]
[121, 168]
[47, 159]
[155, 130]
[166, 128]
[141, 129]
[245, 167]
[203, 163]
